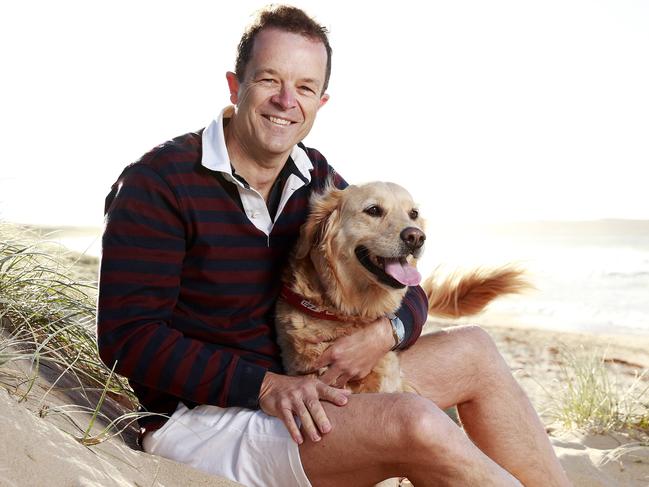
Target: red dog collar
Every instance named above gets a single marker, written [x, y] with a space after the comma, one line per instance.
[307, 307]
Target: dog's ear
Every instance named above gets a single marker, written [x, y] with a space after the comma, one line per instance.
[325, 208]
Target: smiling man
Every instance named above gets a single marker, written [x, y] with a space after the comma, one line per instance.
[197, 233]
[276, 94]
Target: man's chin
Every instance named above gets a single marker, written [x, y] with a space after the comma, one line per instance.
[277, 147]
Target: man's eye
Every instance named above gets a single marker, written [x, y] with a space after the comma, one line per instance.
[307, 89]
[374, 210]
[414, 214]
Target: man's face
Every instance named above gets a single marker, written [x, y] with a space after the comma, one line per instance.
[278, 99]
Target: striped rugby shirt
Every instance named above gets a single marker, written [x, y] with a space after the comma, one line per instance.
[190, 272]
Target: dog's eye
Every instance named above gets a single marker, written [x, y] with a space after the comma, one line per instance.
[374, 210]
[414, 214]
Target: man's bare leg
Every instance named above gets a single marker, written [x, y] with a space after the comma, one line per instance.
[461, 366]
[379, 436]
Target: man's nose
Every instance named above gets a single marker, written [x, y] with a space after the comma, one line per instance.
[285, 97]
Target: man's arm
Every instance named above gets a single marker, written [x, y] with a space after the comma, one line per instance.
[354, 356]
[142, 257]
[413, 314]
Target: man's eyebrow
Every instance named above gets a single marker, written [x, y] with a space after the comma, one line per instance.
[263, 71]
[310, 80]
[272, 72]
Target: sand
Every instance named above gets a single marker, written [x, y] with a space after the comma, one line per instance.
[42, 451]
[40, 447]
[535, 359]
[35, 452]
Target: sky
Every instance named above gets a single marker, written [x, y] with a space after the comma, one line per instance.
[491, 111]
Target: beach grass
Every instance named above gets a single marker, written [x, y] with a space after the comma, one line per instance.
[47, 321]
[590, 397]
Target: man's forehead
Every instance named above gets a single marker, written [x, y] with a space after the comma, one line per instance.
[276, 41]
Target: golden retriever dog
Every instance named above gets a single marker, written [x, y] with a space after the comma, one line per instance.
[353, 263]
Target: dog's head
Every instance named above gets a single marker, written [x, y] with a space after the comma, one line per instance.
[364, 236]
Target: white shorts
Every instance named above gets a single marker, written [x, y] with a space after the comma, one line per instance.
[247, 446]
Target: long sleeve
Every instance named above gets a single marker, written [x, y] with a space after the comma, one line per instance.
[139, 325]
[413, 313]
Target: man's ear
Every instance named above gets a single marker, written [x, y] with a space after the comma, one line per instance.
[323, 99]
[233, 85]
[323, 219]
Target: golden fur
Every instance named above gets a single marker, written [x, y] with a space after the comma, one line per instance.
[325, 269]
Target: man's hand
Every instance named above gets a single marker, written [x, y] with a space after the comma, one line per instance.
[285, 397]
[354, 356]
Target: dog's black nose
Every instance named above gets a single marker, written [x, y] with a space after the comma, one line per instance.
[413, 237]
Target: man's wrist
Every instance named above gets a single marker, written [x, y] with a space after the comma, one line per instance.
[398, 330]
[265, 383]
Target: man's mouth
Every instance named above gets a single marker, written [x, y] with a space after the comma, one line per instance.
[395, 272]
[278, 120]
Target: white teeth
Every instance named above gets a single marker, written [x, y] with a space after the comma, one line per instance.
[279, 121]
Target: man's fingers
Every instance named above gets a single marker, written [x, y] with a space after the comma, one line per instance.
[291, 426]
[333, 395]
[297, 400]
[330, 376]
[341, 381]
[324, 359]
[319, 416]
[307, 424]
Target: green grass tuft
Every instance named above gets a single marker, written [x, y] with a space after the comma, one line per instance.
[47, 320]
[590, 397]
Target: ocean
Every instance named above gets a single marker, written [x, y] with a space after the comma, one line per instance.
[588, 276]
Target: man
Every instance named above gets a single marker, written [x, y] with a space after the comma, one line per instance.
[196, 235]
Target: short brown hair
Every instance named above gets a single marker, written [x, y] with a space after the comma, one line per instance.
[286, 18]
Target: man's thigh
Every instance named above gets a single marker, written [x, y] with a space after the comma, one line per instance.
[368, 440]
[371, 426]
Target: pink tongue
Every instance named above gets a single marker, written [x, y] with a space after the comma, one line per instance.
[404, 273]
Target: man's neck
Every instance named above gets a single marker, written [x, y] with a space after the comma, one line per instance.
[259, 171]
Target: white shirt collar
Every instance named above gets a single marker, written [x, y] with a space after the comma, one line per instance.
[215, 153]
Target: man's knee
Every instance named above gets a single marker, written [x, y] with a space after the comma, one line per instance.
[478, 348]
[473, 337]
[426, 433]
[420, 422]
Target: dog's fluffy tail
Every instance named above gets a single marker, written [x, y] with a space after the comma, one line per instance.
[469, 293]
